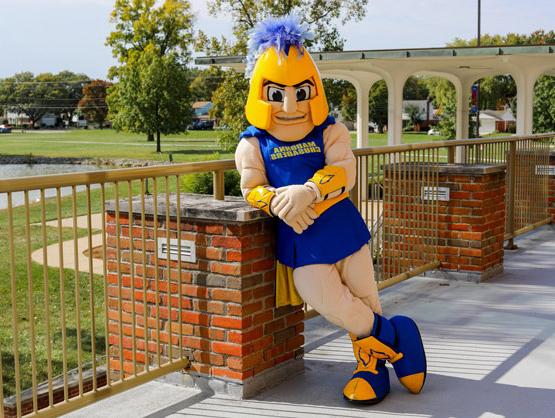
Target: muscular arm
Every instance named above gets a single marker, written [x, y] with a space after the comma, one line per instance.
[339, 174]
[254, 183]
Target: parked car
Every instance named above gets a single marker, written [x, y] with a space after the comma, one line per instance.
[5, 129]
[200, 125]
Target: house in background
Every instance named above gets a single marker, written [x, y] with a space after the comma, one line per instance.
[497, 121]
[202, 110]
[427, 113]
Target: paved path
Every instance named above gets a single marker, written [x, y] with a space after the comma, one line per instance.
[490, 346]
[53, 252]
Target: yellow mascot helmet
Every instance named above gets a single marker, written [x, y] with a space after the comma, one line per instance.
[278, 55]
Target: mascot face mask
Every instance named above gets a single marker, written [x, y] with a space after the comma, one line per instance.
[286, 95]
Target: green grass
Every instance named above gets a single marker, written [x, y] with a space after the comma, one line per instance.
[106, 144]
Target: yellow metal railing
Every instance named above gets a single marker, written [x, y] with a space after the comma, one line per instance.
[55, 323]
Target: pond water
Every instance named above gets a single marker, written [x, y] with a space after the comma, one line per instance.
[25, 170]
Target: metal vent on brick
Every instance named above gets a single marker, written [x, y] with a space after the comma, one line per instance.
[542, 170]
[435, 193]
[188, 250]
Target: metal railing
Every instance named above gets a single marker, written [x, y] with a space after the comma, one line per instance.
[405, 179]
[55, 324]
[56, 317]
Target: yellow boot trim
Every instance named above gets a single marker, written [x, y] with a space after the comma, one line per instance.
[330, 179]
[286, 292]
[376, 349]
[414, 382]
[359, 390]
[260, 198]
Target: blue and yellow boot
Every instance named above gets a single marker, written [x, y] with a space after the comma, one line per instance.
[370, 381]
[411, 368]
[397, 341]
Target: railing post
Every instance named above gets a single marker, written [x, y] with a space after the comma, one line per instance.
[354, 193]
[510, 209]
[218, 176]
[451, 155]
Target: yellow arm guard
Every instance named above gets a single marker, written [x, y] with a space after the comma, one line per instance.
[331, 181]
[260, 198]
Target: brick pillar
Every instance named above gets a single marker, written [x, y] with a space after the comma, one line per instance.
[472, 222]
[470, 225]
[238, 343]
[551, 188]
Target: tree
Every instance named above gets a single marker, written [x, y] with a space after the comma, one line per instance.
[35, 96]
[139, 25]
[72, 89]
[414, 115]
[229, 107]
[378, 104]
[443, 97]
[93, 103]
[544, 104]
[324, 19]
[162, 28]
[205, 82]
[415, 89]
[151, 96]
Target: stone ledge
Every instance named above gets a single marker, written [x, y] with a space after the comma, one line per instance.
[247, 389]
[465, 276]
[446, 168]
[196, 206]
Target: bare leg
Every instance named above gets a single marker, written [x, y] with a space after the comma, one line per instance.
[357, 272]
[320, 286]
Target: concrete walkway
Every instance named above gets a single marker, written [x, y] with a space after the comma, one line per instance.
[490, 346]
[53, 252]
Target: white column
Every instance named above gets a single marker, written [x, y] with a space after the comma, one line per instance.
[362, 90]
[463, 109]
[395, 85]
[525, 102]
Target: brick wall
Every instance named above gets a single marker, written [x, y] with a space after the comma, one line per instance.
[231, 330]
[471, 225]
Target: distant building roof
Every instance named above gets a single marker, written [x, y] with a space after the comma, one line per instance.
[198, 105]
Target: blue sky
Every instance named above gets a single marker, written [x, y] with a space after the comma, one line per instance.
[54, 35]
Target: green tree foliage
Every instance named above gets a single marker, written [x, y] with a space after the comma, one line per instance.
[414, 115]
[377, 105]
[229, 108]
[35, 96]
[544, 104]
[93, 103]
[203, 183]
[443, 96]
[205, 82]
[140, 24]
[150, 35]
[323, 17]
[151, 96]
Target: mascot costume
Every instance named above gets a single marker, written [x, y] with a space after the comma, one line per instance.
[296, 164]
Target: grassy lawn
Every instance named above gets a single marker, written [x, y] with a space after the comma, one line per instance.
[192, 146]
[107, 143]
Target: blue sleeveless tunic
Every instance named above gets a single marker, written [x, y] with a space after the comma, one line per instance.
[339, 231]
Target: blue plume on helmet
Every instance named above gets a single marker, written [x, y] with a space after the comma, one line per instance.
[280, 33]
